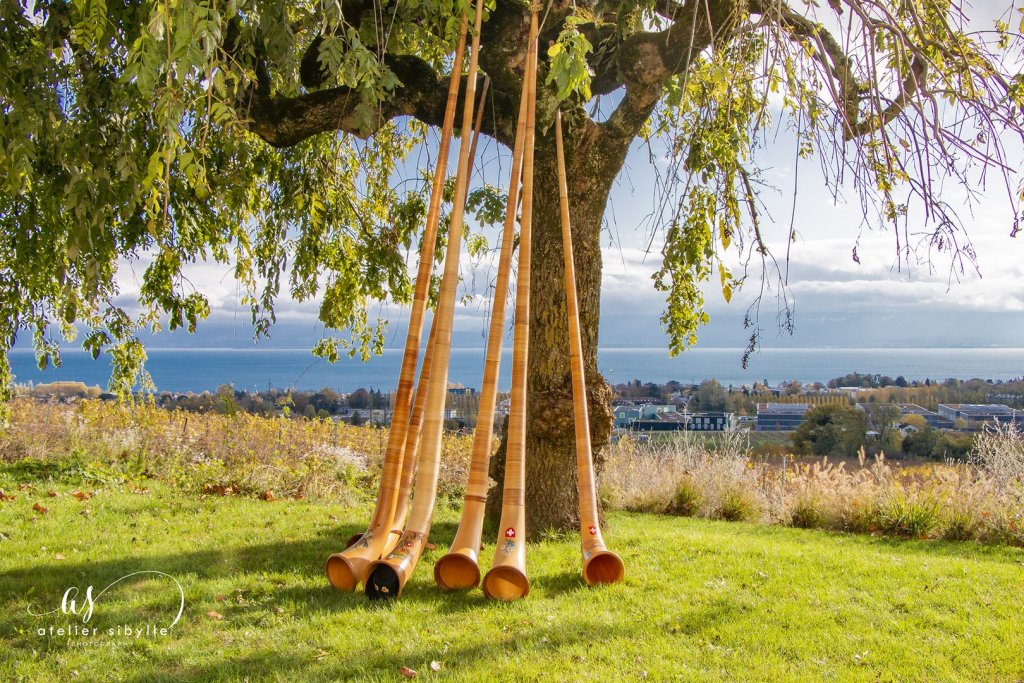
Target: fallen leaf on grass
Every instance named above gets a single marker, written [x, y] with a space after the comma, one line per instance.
[407, 672]
[40, 509]
[81, 495]
[6, 496]
[215, 615]
[219, 489]
[320, 654]
[268, 495]
[218, 598]
[435, 665]
[279, 610]
[58, 556]
[24, 487]
[53, 494]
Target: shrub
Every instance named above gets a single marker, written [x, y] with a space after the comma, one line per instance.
[959, 525]
[687, 499]
[737, 505]
[914, 516]
[808, 513]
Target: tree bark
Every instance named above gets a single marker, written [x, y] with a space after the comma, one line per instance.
[592, 163]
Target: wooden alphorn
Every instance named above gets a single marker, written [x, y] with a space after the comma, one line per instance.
[506, 579]
[459, 568]
[387, 577]
[600, 565]
[415, 431]
[345, 570]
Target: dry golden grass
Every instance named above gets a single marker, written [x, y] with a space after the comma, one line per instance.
[981, 500]
[236, 453]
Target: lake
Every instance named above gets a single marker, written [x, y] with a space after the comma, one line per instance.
[200, 369]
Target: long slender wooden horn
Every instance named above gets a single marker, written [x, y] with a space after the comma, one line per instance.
[507, 578]
[415, 429]
[459, 568]
[346, 569]
[387, 577]
[600, 565]
[412, 437]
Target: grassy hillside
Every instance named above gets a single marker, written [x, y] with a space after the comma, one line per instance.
[703, 600]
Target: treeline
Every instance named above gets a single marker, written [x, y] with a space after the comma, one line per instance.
[839, 430]
[323, 403]
[710, 395]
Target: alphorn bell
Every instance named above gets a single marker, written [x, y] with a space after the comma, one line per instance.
[345, 570]
[459, 568]
[600, 565]
[387, 577]
[506, 579]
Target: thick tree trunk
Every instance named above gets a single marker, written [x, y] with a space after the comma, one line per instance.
[552, 501]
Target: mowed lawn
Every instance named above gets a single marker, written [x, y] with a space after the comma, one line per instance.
[702, 600]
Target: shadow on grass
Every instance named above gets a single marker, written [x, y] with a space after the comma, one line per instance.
[460, 658]
[310, 595]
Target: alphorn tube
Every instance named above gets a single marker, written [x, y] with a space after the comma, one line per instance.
[459, 568]
[346, 569]
[412, 445]
[412, 439]
[387, 577]
[415, 430]
[506, 579]
[600, 565]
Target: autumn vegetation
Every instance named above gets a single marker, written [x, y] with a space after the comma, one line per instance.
[271, 458]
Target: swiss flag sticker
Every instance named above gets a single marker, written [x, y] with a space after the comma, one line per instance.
[510, 533]
[593, 530]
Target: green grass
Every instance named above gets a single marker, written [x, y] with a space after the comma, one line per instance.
[702, 600]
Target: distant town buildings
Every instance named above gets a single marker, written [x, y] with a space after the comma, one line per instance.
[657, 417]
[780, 417]
[976, 416]
[932, 419]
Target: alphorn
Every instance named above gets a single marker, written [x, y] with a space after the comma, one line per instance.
[387, 577]
[345, 570]
[506, 579]
[415, 431]
[459, 568]
[412, 445]
[600, 565]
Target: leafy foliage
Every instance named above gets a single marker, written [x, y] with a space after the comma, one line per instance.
[830, 429]
[130, 133]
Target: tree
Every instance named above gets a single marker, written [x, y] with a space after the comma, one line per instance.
[709, 396]
[884, 419]
[359, 399]
[831, 429]
[269, 134]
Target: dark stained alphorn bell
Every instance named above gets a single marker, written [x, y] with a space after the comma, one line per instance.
[387, 577]
[600, 565]
[459, 568]
[506, 579]
[347, 569]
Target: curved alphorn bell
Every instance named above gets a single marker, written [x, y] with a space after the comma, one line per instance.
[600, 565]
[506, 579]
[459, 567]
[387, 577]
[347, 569]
